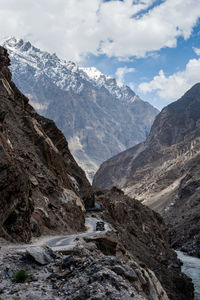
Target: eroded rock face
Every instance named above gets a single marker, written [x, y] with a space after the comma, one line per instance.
[143, 234]
[42, 189]
[163, 172]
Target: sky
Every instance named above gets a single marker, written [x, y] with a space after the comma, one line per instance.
[151, 45]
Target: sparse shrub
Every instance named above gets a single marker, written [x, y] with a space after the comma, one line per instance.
[20, 276]
[123, 250]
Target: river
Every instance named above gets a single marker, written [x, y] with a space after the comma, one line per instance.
[191, 267]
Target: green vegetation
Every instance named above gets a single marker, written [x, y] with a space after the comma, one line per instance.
[123, 250]
[20, 276]
[89, 165]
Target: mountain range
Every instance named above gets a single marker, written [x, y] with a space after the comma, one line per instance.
[44, 192]
[99, 117]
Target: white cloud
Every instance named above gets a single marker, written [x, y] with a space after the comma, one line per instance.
[132, 86]
[174, 86]
[121, 72]
[197, 51]
[74, 28]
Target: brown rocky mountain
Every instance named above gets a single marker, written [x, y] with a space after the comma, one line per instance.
[43, 191]
[41, 185]
[163, 172]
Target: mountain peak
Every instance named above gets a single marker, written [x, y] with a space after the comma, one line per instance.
[195, 87]
[190, 95]
[98, 117]
[18, 44]
[93, 73]
[67, 75]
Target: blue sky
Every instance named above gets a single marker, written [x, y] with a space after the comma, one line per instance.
[151, 45]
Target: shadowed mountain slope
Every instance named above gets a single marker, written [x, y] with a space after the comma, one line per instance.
[163, 171]
[42, 189]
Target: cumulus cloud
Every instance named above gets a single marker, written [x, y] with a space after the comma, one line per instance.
[121, 72]
[197, 51]
[174, 86]
[74, 28]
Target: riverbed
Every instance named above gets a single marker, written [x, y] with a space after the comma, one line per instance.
[191, 267]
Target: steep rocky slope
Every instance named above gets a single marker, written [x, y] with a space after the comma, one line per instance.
[143, 234]
[163, 171]
[98, 117]
[42, 188]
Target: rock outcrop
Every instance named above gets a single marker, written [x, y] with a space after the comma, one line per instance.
[42, 189]
[143, 234]
[85, 273]
[163, 171]
[98, 117]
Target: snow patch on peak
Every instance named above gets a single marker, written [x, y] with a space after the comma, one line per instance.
[64, 74]
[135, 98]
[93, 73]
[70, 65]
[16, 43]
[5, 39]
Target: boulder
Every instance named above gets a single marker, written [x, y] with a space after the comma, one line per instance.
[43, 255]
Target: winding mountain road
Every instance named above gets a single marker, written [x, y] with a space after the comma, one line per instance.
[67, 240]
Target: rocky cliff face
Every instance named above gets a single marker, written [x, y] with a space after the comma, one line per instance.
[163, 171]
[42, 189]
[144, 236]
[98, 117]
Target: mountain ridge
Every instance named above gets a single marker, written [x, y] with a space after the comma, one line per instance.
[26, 50]
[98, 117]
[163, 171]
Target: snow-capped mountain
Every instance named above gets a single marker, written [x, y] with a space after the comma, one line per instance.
[98, 117]
[123, 93]
[64, 74]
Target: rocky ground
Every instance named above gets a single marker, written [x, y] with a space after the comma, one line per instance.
[85, 272]
[132, 261]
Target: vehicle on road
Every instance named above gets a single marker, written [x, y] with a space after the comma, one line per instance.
[100, 226]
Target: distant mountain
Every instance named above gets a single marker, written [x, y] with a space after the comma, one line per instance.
[163, 172]
[98, 117]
